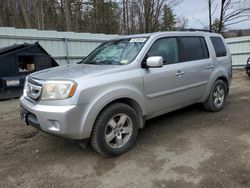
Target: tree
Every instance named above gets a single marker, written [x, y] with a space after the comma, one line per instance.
[96, 16]
[144, 16]
[168, 19]
[230, 12]
[217, 27]
[24, 13]
[67, 7]
[104, 15]
[181, 23]
[210, 13]
[233, 12]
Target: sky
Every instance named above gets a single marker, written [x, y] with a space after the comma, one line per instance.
[196, 11]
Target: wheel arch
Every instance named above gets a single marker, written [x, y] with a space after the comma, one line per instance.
[131, 98]
[219, 74]
[225, 80]
[133, 104]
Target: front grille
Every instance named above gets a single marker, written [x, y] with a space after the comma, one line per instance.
[34, 88]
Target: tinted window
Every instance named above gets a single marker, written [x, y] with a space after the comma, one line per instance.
[167, 48]
[193, 48]
[204, 48]
[219, 46]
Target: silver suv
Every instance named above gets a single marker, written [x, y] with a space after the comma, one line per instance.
[108, 96]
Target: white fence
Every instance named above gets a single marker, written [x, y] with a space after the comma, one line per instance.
[240, 50]
[70, 47]
[64, 47]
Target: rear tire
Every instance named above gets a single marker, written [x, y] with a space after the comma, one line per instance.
[217, 97]
[115, 130]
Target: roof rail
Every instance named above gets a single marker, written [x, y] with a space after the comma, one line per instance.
[191, 29]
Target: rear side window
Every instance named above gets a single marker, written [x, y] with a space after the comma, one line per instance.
[194, 48]
[219, 46]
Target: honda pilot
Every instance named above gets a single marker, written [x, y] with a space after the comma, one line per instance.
[108, 96]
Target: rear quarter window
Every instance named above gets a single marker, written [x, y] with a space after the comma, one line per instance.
[219, 46]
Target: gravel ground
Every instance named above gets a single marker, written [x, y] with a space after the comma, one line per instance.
[185, 148]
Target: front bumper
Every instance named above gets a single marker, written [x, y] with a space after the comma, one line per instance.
[64, 121]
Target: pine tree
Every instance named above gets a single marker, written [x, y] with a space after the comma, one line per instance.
[217, 27]
[168, 19]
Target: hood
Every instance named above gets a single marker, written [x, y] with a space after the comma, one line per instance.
[73, 71]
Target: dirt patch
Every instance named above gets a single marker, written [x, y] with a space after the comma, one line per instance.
[28, 135]
[186, 148]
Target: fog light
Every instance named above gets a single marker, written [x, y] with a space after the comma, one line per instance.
[54, 125]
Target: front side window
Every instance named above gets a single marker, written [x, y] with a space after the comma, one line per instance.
[219, 46]
[193, 48]
[167, 48]
[116, 52]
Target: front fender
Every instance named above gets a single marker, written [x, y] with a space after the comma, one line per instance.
[95, 107]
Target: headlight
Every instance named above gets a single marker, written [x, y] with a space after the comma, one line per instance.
[57, 90]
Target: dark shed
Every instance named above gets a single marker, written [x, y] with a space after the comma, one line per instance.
[16, 62]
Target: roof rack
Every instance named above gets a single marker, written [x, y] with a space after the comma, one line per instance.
[191, 29]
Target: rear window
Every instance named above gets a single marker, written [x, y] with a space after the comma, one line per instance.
[219, 46]
[194, 48]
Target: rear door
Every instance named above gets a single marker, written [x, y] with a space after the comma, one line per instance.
[199, 65]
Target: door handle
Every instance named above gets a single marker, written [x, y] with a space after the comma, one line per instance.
[179, 73]
[210, 67]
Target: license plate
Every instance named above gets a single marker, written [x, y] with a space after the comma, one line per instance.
[14, 82]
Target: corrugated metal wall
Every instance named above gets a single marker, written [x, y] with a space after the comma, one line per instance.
[240, 50]
[70, 47]
[65, 47]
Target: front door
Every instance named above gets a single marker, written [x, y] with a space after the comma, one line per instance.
[165, 86]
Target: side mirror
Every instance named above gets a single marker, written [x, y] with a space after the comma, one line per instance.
[154, 62]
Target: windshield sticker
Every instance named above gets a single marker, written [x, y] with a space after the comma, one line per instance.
[124, 61]
[138, 40]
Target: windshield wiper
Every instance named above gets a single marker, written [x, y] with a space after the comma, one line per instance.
[103, 63]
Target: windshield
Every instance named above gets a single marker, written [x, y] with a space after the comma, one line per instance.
[116, 52]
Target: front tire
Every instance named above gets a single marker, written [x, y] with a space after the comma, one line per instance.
[115, 130]
[217, 97]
